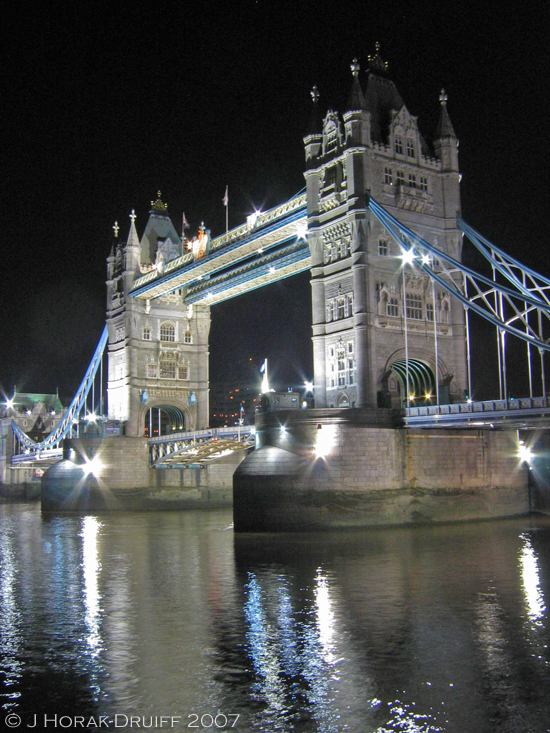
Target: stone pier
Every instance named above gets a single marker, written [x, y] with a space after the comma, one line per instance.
[353, 468]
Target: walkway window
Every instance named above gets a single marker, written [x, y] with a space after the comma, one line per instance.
[414, 306]
[167, 369]
[167, 332]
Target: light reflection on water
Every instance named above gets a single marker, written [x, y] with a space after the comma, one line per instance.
[410, 629]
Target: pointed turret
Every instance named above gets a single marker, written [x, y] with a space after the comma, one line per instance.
[313, 138]
[356, 117]
[132, 249]
[446, 141]
[445, 127]
[356, 99]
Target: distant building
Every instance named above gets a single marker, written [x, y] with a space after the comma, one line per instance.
[36, 415]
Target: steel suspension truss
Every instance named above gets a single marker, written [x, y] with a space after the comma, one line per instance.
[78, 403]
[509, 309]
[518, 303]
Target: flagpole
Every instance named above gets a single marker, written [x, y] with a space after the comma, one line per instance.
[226, 204]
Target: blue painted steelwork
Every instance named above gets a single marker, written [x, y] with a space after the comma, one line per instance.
[282, 258]
[455, 277]
[212, 260]
[508, 266]
[78, 402]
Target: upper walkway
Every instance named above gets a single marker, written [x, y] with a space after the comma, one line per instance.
[269, 247]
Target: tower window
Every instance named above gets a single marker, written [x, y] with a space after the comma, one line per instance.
[183, 372]
[188, 338]
[410, 148]
[423, 184]
[330, 176]
[167, 369]
[151, 371]
[392, 308]
[388, 177]
[400, 178]
[429, 311]
[412, 180]
[167, 332]
[399, 146]
[146, 333]
[383, 248]
[414, 306]
[341, 308]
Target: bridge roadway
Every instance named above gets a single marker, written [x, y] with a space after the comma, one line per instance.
[271, 246]
[196, 449]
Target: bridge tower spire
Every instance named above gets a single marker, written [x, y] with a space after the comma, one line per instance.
[372, 313]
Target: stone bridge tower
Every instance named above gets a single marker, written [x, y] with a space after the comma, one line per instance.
[158, 349]
[362, 294]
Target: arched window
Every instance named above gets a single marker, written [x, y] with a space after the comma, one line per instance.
[167, 332]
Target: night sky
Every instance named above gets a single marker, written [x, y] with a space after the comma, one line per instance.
[106, 104]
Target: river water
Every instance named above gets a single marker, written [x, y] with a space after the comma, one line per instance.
[170, 621]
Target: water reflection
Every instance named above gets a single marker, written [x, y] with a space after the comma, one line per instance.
[531, 582]
[91, 566]
[11, 665]
[412, 629]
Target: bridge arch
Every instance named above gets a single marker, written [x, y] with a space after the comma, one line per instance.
[163, 419]
[421, 375]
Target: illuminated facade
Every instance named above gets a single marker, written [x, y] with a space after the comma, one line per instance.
[378, 324]
[158, 349]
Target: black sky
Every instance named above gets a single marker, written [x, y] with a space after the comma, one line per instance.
[106, 104]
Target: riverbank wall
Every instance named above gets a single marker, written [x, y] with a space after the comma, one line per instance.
[353, 468]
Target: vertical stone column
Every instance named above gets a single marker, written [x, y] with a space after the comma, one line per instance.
[319, 355]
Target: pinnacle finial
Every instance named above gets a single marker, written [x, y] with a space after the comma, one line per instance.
[376, 61]
[355, 67]
[315, 94]
[133, 216]
[158, 205]
[115, 229]
[443, 98]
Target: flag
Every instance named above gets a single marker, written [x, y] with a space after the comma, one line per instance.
[185, 223]
[265, 383]
[226, 197]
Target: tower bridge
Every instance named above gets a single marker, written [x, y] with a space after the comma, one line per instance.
[380, 229]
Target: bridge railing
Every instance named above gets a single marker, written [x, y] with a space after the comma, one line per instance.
[469, 408]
